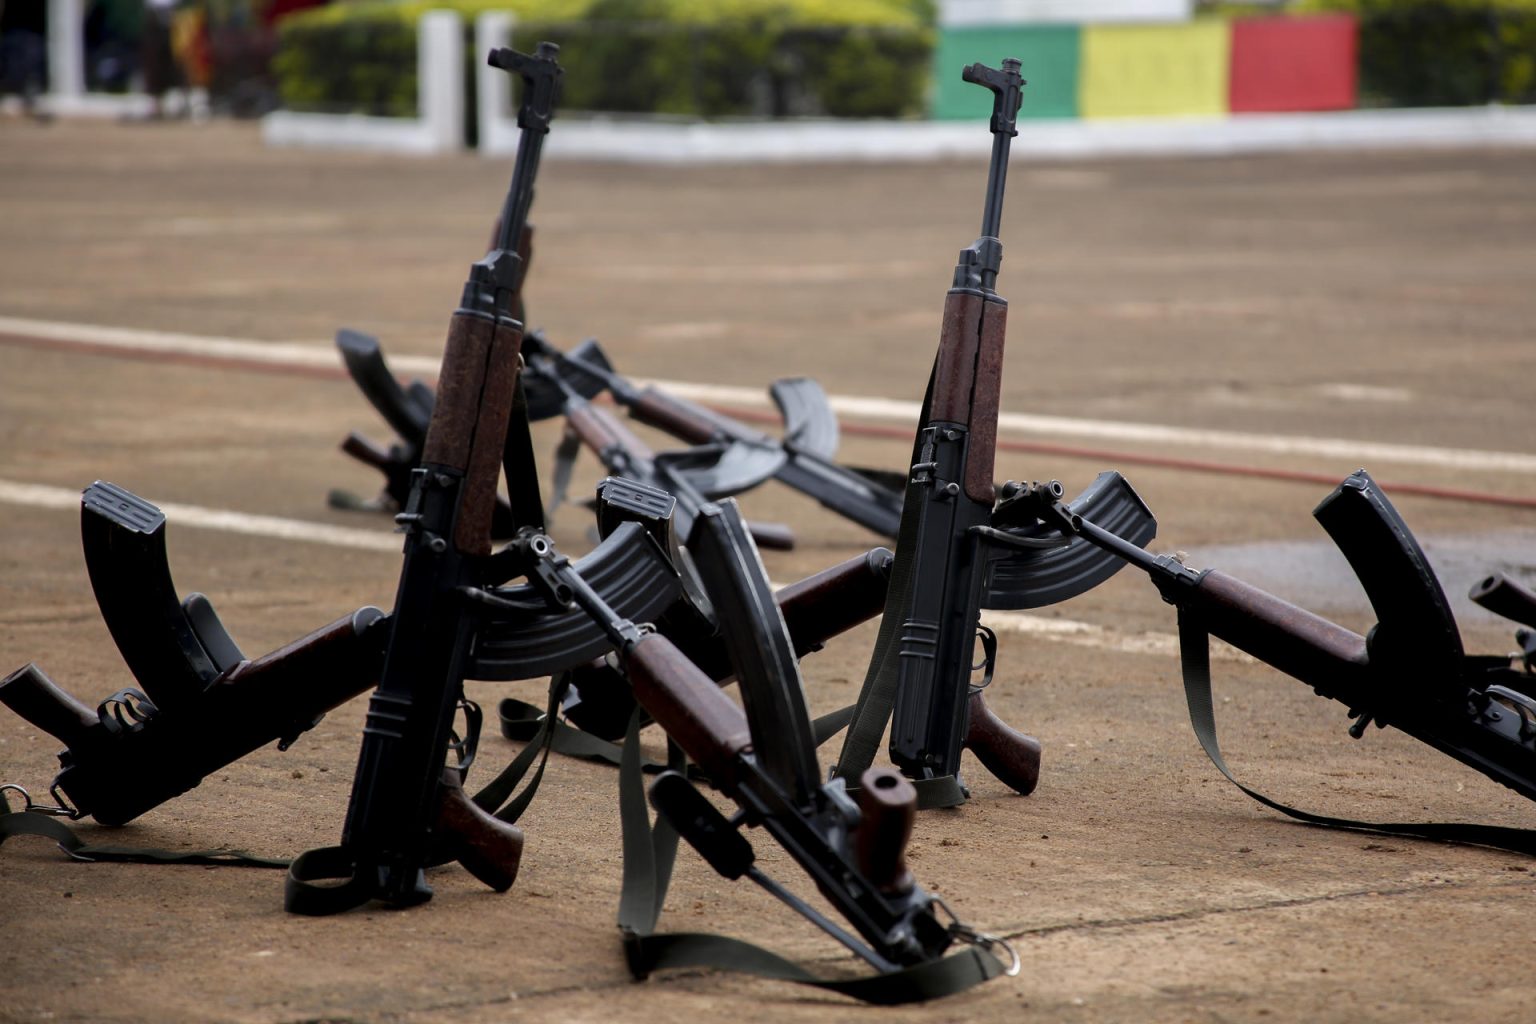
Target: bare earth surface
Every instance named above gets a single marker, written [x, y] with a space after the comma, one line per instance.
[1382, 298]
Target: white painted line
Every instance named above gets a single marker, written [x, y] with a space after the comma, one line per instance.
[134, 340]
[1152, 433]
[63, 498]
[895, 410]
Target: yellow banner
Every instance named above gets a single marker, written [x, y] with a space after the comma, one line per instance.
[1154, 70]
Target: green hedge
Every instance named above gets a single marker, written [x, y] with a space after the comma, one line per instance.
[706, 58]
[1436, 53]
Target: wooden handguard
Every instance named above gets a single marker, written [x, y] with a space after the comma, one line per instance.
[36, 698]
[694, 711]
[1292, 639]
[658, 410]
[469, 419]
[968, 380]
[1503, 596]
[1008, 754]
[489, 848]
[600, 430]
[888, 807]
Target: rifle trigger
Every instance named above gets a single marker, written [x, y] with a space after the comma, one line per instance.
[988, 656]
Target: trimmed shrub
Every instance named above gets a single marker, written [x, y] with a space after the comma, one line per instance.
[1440, 53]
[702, 58]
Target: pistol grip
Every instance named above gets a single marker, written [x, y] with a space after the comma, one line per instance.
[489, 849]
[1503, 596]
[32, 695]
[1008, 754]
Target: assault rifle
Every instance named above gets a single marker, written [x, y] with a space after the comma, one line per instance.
[763, 757]
[871, 498]
[442, 628]
[717, 467]
[963, 545]
[1409, 671]
[200, 703]
[815, 609]
[694, 475]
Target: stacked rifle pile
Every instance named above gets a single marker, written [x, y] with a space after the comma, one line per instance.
[673, 604]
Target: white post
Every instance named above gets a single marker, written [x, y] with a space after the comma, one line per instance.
[440, 79]
[66, 49]
[493, 86]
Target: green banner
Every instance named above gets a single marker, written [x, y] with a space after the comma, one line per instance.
[1050, 56]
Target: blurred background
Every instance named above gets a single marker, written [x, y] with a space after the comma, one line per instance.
[1089, 59]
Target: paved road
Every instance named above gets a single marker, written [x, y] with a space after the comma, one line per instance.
[1381, 299]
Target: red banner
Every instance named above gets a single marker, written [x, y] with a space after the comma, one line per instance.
[1305, 63]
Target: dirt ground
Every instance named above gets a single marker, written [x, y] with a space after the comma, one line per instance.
[1381, 298]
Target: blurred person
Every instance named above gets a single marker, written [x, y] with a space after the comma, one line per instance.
[112, 43]
[189, 48]
[24, 50]
[156, 61]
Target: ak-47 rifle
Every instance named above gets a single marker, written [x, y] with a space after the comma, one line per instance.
[963, 546]
[1409, 671]
[763, 757]
[871, 498]
[447, 604]
[717, 467]
[200, 703]
[815, 609]
[694, 476]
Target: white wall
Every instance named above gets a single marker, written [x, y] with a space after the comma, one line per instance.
[953, 13]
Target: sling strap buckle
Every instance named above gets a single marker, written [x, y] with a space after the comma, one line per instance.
[967, 934]
[61, 810]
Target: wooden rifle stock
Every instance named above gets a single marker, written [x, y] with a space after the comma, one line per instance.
[603, 432]
[835, 600]
[663, 412]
